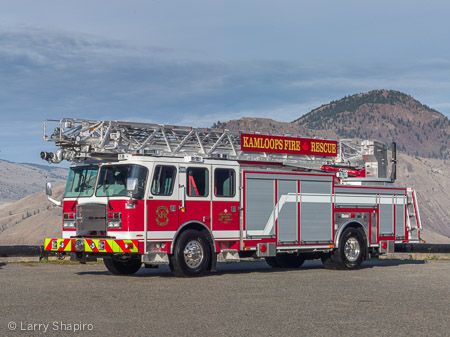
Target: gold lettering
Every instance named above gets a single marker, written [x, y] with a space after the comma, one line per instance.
[245, 141]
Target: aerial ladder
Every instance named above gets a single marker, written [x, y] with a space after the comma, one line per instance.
[81, 140]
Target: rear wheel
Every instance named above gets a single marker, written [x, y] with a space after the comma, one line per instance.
[350, 254]
[191, 255]
[285, 261]
[272, 262]
[122, 265]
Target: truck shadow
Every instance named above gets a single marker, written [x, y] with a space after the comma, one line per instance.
[389, 263]
[254, 267]
[262, 267]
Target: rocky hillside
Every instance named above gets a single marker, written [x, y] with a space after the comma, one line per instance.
[384, 115]
[20, 180]
[31, 219]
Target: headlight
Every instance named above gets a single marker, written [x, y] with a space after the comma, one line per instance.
[79, 245]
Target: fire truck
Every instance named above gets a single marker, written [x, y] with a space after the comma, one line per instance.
[149, 194]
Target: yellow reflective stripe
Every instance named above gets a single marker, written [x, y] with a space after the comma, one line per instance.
[87, 248]
[46, 243]
[68, 247]
[115, 246]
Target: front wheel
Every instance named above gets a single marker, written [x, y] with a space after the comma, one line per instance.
[191, 255]
[122, 265]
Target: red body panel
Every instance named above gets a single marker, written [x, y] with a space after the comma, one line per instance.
[163, 215]
[223, 217]
[132, 219]
[196, 211]
[67, 208]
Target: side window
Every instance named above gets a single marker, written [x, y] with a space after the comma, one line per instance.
[163, 180]
[224, 182]
[197, 182]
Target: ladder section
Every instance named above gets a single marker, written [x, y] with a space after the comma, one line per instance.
[80, 139]
[87, 137]
[414, 223]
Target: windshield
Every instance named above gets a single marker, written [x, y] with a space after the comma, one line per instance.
[112, 181]
[81, 182]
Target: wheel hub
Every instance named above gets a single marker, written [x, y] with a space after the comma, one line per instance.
[352, 249]
[193, 254]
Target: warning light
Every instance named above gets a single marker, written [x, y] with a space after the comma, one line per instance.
[384, 245]
[263, 248]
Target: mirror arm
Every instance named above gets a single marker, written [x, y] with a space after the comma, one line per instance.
[56, 202]
[130, 204]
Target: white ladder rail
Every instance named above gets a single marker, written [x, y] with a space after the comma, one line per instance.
[81, 139]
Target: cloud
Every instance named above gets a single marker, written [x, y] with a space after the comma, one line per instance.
[55, 74]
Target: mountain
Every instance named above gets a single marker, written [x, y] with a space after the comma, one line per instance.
[421, 133]
[385, 115]
[20, 180]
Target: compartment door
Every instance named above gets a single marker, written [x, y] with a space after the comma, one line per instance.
[260, 206]
[386, 211]
[316, 223]
[287, 209]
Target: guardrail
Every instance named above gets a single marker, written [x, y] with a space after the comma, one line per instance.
[426, 248]
[22, 251]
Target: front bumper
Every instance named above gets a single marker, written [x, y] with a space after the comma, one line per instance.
[106, 246]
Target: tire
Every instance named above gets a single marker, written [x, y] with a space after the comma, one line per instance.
[285, 261]
[350, 254]
[191, 256]
[328, 262]
[272, 262]
[121, 265]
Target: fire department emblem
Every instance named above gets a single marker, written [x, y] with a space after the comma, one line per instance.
[162, 216]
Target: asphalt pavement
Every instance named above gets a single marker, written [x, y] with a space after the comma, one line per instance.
[384, 298]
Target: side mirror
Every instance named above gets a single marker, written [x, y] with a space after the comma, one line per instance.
[48, 188]
[132, 185]
[48, 191]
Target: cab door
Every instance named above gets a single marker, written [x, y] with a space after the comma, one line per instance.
[195, 194]
[163, 203]
[225, 202]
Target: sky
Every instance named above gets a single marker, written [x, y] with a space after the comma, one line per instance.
[200, 61]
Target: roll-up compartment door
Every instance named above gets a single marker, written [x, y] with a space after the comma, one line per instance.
[287, 206]
[386, 215]
[259, 208]
[315, 211]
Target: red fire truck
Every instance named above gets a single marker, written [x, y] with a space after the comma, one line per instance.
[188, 197]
